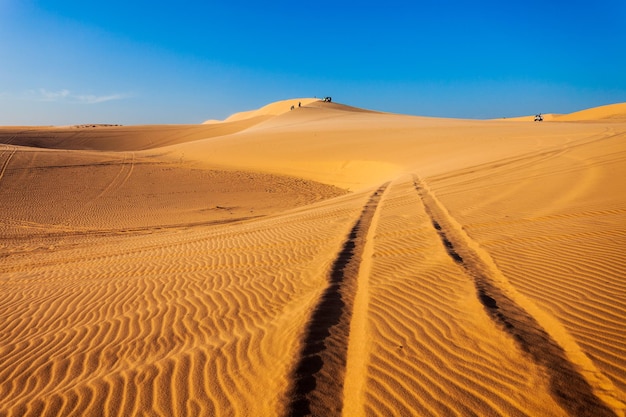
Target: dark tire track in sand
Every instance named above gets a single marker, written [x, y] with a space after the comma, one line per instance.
[568, 386]
[319, 372]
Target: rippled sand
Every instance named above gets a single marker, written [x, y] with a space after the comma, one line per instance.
[325, 260]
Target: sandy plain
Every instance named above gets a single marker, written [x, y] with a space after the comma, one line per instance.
[325, 261]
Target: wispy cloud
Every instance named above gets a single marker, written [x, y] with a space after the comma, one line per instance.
[67, 96]
[45, 95]
[92, 99]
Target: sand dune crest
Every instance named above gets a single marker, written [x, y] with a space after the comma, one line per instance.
[272, 109]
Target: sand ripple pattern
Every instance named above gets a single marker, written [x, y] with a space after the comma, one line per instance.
[204, 322]
[319, 372]
[181, 270]
[427, 346]
[564, 252]
[568, 386]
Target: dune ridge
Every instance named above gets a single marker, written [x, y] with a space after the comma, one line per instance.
[471, 267]
[610, 112]
[272, 109]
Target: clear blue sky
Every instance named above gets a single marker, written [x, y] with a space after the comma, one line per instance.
[135, 62]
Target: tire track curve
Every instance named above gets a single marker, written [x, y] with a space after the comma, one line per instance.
[568, 386]
[10, 151]
[126, 168]
[318, 375]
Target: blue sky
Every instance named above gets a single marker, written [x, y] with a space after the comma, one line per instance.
[136, 62]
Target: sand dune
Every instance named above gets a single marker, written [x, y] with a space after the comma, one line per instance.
[611, 112]
[119, 138]
[605, 113]
[324, 260]
[272, 109]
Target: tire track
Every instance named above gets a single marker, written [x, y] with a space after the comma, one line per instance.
[127, 165]
[121, 177]
[11, 150]
[568, 386]
[9, 141]
[320, 369]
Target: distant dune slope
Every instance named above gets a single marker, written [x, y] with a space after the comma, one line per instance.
[272, 109]
[609, 112]
[473, 268]
[48, 193]
[118, 138]
[332, 144]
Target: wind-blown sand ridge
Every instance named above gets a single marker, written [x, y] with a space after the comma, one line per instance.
[326, 260]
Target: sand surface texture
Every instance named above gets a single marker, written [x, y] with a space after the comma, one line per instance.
[323, 261]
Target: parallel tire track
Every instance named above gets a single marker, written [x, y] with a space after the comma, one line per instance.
[568, 386]
[11, 150]
[127, 165]
[126, 170]
[319, 372]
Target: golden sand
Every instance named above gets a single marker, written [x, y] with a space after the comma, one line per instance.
[324, 260]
